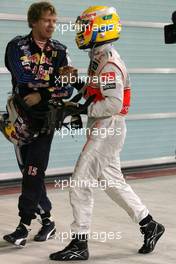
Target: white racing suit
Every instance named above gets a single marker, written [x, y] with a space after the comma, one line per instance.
[99, 159]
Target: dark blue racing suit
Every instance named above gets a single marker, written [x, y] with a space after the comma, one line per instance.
[36, 70]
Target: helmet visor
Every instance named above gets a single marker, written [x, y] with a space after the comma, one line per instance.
[83, 25]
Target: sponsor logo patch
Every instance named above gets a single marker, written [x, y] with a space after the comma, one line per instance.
[108, 80]
[109, 86]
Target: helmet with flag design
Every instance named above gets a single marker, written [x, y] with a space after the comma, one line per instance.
[97, 25]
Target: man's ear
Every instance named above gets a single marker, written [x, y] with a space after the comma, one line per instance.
[33, 25]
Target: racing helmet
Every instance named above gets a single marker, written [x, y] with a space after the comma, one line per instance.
[97, 25]
[15, 125]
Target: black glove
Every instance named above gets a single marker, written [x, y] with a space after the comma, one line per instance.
[70, 109]
[79, 84]
[76, 98]
[76, 122]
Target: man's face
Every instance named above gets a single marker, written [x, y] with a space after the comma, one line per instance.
[45, 26]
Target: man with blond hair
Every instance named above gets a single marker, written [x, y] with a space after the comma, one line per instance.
[34, 61]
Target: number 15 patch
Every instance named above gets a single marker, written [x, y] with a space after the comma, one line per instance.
[108, 80]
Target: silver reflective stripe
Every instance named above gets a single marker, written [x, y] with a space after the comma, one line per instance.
[143, 24]
[152, 70]
[68, 20]
[143, 70]
[124, 164]
[134, 117]
[145, 162]
[3, 70]
[151, 116]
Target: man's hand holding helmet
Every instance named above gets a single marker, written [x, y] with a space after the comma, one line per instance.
[32, 99]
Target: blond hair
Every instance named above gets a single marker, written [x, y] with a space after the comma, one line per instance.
[36, 10]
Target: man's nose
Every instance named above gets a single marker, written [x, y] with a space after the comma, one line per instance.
[52, 24]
